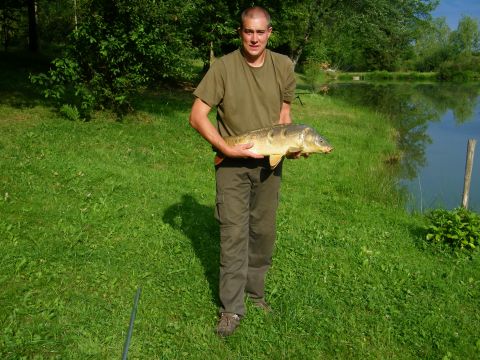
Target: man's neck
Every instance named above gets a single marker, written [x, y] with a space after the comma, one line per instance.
[257, 61]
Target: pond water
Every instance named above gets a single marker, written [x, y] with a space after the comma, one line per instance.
[434, 123]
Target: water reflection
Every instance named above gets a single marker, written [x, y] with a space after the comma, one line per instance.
[422, 114]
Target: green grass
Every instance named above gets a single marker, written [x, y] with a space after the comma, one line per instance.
[92, 211]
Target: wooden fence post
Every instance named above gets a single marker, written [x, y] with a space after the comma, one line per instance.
[468, 172]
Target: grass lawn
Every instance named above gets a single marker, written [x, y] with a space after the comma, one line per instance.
[90, 212]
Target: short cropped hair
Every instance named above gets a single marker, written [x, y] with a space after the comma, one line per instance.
[252, 12]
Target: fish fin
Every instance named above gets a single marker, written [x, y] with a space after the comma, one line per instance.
[275, 160]
[294, 149]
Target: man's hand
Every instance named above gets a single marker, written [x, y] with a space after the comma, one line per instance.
[200, 122]
[241, 151]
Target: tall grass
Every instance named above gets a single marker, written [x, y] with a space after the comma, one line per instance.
[92, 211]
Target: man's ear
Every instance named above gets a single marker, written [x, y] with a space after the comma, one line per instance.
[269, 32]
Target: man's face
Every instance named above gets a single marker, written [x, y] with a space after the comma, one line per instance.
[255, 33]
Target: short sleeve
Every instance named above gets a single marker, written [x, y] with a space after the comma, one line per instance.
[289, 82]
[212, 87]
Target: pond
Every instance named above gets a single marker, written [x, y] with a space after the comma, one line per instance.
[434, 122]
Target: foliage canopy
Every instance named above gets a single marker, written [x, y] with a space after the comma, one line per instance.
[113, 49]
[118, 49]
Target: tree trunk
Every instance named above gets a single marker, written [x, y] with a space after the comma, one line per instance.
[4, 30]
[212, 54]
[299, 50]
[32, 26]
[75, 14]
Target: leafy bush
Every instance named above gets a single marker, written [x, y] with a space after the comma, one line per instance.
[458, 228]
[315, 74]
[463, 68]
[70, 112]
[380, 75]
[63, 84]
[120, 48]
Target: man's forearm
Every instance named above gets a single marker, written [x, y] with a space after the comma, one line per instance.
[285, 117]
[205, 128]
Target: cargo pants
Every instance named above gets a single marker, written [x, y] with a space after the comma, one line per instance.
[246, 205]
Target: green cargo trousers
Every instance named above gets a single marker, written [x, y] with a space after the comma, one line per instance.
[246, 206]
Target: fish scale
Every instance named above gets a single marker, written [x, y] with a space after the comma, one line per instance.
[280, 140]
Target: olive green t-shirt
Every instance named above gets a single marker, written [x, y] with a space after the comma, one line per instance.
[247, 98]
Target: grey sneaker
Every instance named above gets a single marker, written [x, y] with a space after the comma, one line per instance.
[227, 324]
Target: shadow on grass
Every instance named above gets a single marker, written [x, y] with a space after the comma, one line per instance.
[418, 233]
[165, 101]
[16, 89]
[197, 222]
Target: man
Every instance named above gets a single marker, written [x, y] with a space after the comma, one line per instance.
[252, 88]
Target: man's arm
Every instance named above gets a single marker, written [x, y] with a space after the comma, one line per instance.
[285, 117]
[200, 122]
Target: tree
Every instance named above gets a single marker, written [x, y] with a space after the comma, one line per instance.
[432, 45]
[32, 26]
[305, 20]
[463, 61]
[359, 35]
[466, 39]
[56, 20]
[122, 46]
[118, 49]
[378, 33]
[214, 28]
[10, 21]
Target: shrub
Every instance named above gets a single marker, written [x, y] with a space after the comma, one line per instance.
[380, 75]
[70, 112]
[460, 69]
[314, 74]
[120, 48]
[459, 228]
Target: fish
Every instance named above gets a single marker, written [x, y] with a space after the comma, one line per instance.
[278, 141]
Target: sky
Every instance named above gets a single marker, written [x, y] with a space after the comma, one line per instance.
[453, 10]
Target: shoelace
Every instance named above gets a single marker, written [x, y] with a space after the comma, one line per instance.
[230, 318]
